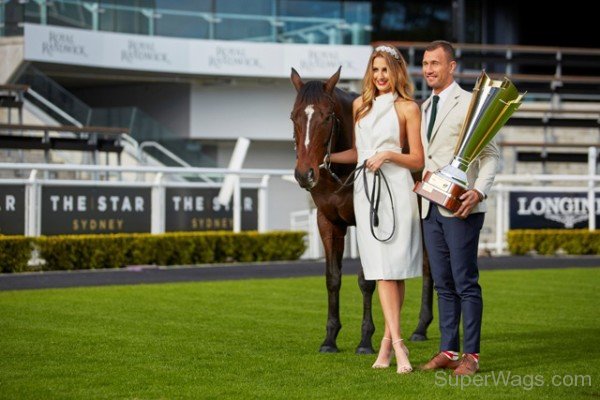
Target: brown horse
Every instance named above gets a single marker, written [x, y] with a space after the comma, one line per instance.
[322, 117]
[323, 124]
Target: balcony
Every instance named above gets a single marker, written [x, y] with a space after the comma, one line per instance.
[278, 21]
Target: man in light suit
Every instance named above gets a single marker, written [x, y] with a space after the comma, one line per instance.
[452, 239]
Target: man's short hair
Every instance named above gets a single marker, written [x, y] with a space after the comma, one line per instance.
[444, 45]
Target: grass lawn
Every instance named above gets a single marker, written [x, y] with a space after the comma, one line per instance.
[260, 339]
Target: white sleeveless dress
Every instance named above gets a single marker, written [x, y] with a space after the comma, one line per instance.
[400, 257]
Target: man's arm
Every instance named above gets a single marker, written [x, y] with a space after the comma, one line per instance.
[488, 166]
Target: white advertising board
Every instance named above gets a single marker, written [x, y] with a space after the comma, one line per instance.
[191, 56]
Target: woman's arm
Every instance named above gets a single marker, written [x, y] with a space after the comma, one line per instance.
[349, 156]
[344, 157]
[410, 120]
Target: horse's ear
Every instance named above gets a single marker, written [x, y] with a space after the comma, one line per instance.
[331, 82]
[296, 80]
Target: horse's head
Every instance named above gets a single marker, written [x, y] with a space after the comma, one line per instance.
[314, 125]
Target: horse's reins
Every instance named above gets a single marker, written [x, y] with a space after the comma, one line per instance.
[375, 196]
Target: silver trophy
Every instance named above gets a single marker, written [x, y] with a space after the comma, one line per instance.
[492, 104]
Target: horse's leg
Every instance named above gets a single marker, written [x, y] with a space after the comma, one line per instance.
[426, 313]
[368, 327]
[333, 243]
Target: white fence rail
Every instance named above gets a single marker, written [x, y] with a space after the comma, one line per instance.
[503, 186]
[254, 178]
[306, 220]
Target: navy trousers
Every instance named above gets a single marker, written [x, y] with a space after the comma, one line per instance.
[452, 249]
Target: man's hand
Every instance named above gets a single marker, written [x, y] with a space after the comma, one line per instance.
[469, 199]
[375, 162]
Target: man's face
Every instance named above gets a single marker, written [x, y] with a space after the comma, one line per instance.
[437, 69]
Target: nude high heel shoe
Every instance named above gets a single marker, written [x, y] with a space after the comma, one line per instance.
[381, 365]
[402, 369]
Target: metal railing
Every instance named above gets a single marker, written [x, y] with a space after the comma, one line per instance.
[503, 185]
[66, 108]
[255, 178]
[306, 220]
[545, 72]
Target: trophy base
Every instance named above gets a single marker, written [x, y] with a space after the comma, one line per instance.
[440, 191]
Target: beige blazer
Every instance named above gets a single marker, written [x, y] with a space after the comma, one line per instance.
[440, 150]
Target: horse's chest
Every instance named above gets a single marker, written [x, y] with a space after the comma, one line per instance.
[336, 208]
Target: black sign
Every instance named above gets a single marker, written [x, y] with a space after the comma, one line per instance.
[550, 210]
[198, 210]
[78, 209]
[12, 210]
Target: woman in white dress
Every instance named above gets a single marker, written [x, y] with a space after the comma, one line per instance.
[387, 218]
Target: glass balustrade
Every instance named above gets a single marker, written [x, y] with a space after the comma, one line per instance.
[67, 109]
[288, 21]
[55, 100]
[143, 128]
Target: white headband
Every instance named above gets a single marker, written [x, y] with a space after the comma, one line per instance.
[390, 50]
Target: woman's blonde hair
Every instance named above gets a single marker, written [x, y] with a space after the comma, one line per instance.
[398, 75]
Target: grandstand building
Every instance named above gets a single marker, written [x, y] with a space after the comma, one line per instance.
[185, 79]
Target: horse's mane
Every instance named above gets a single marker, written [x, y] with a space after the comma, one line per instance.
[311, 92]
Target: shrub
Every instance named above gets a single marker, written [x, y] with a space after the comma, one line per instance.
[69, 252]
[15, 251]
[550, 241]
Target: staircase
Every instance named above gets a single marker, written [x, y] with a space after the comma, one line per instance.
[150, 142]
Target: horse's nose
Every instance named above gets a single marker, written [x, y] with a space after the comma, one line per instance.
[306, 180]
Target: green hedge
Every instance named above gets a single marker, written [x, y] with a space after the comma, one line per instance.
[71, 252]
[551, 241]
[15, 252]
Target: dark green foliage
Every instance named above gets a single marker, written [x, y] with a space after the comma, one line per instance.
[15, 251]
[551, 241]
[71, 252]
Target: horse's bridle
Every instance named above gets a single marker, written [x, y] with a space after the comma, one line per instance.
[375, 195]
[326, 165]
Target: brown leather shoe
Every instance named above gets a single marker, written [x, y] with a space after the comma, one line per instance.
[468, 365]
[439, 361]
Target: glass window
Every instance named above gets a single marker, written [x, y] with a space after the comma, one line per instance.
[358, 12]
[254, 7]
[473, 32]
[412, 21]
[245, 27]
[124, 16]
[314, 31]
[124, 21]
[180, 18]
[185, 5]
[188, 26]
[69, 14]
[306, 8]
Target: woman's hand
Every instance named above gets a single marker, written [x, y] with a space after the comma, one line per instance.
[375, 161]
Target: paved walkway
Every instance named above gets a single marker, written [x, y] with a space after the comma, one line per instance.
[149, 274]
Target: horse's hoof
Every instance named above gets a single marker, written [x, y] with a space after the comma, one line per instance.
[418, 337]
[328, 349]
[365, 350]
